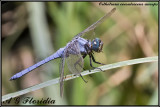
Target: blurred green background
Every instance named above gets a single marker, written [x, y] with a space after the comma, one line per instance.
[31, 31]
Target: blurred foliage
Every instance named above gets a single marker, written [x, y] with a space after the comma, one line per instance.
[131, 32]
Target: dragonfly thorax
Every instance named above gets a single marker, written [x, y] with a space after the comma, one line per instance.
[97, 45]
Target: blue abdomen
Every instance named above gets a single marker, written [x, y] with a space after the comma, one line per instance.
[58, 54]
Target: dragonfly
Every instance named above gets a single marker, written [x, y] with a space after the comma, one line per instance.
[73, 53]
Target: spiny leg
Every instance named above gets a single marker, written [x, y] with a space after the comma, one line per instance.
[95, 60]
[91, 63]
[89, 52]
[83, 79]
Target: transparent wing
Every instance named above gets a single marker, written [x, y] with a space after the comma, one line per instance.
[61, 69]
[94, 25]
[74, 58]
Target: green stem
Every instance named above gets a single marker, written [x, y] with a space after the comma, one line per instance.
[69, 77]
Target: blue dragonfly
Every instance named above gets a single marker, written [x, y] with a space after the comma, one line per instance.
[73, 53]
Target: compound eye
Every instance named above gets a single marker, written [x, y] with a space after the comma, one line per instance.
[95, 42]
[100, 46]
[97, 45]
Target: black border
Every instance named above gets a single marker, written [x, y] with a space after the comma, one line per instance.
[4, 1]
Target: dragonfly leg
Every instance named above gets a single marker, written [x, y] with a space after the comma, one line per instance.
[91, 63]
[81, 67]
[95, 60]
[83, 79]
[80, 74]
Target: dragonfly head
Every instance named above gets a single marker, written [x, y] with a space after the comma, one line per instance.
[97, 45]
